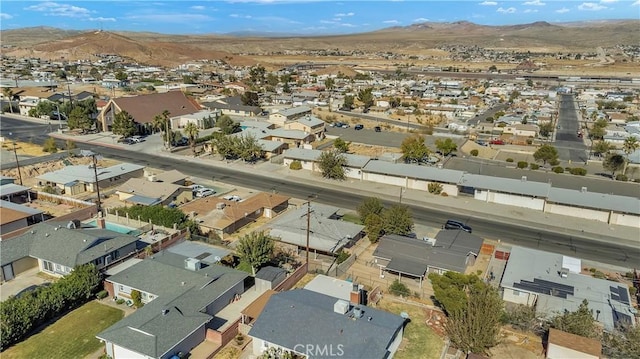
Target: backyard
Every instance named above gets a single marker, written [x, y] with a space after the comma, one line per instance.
[72, 336]
[419, 340]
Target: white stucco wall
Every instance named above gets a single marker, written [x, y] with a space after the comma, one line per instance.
[593, 214]
[374, 177]
[625, 220]
[124, 353]
[515, 200]
[518, 296]
[395, 344]
[558, 352]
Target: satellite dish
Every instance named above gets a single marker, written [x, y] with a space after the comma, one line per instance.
[217, 258]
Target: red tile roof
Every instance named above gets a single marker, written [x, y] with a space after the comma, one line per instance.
[144, 108]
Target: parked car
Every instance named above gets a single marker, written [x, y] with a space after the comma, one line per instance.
[137, 139]
[126, 141]
[55, 116]
[337, 124]
[497, 142]
[451, 224]
[345, 125]
[196, 187]
[481, 142]
[205, 192]
[233, 198]
[181, 142]
[378, 129]
[358, 127]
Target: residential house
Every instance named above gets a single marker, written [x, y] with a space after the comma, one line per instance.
[11, 192]
[182, 296]
[309, 161]
[148, 192]
[232, 106]
[308, 124]
[553, 283]
[340, 328]
[338, 288]
[15, 216]
[224, 217]
[270, 146]
[58, 247]
[563, 345]
[75, 179]
[172, 176]
[143, 108]
[202, 119]
[520, 130]
[327, 233]
[450, 250]
[289, 114]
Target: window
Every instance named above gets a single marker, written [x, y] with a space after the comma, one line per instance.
[48, 266]
[516, 292]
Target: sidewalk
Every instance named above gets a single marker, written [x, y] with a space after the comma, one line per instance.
[464, 206]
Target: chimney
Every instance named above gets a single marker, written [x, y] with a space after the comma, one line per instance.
[356, 295]
[101, 223]
[165, 311]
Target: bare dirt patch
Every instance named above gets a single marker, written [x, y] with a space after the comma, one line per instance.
[371, 150]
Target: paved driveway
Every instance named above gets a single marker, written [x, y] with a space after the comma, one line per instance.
[22, 281]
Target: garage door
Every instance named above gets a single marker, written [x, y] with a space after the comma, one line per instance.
[7, 272]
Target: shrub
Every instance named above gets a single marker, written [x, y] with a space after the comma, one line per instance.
[558, 169]
[136, 296]
[444, 194]
[102, 294]
[435, 188]
[509, 159]
[633, 291]
[599, 275]
[474, 152]
[522, 164]
[534, 166]
[342, 256]
[622, 177]
[554, 162]
[120, 301]
[579, 171]
[295, 165]
[398, 288]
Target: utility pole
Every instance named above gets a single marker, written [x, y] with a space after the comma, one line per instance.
[70, 100]
[95, 173]
[15, 152]
[308, 229]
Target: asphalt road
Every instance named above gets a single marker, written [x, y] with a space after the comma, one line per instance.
[570, 242]
[570, 147]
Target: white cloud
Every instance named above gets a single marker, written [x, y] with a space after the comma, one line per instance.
[608, 1]
[534, 3]
[390, 22]
[55, 9]
[4, 16]
[100, 18]
[422, 19]
[530, 11]
[636, 3]
[509, 10]
[197, 7]
[591, 6]
[344, 14]
[564, 10]
[348, 25]
[238, 16]
[488, 3]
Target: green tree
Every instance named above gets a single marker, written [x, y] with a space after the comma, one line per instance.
[7, 92]
[123, 124]
[250, 98]
[248, 148]
[400, 289]
[446, 146]
[329, 84]
[122, 76]
[546, 129]
[397, 219]
[79, 118]
[341, 145]
[374, 227]
[256, 249]
[348, 102]
[136, 297]
[546, 153]
[613, 162]
[366, 97]
[476, 327]
[257, 75]
[50, 145]
[601, 148]
[414, 149]
[450, 289]
[623, 343]
[597, 133]
[331, 164]
[580, 322]
[192, 131]
[629, 146]
[227, 125]
[370, 205]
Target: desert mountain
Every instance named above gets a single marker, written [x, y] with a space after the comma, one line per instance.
[168, 50]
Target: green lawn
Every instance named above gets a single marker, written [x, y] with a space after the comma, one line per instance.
[420, 341]
[72, 336]
[351, 217]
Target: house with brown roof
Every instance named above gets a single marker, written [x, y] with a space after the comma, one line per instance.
[563, 345]
[225, 216]
[143, 108]
[14, 216]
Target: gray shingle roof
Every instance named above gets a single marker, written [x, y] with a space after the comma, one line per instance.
[505, 185]
[285, 320]
[86, 174]
[293, 111]
[412, 171]
[270, 273]
[12, 188]
[164, 275]
[302, 154]
[54, 242]
[595, 200]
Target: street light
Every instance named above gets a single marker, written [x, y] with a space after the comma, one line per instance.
[59, 120]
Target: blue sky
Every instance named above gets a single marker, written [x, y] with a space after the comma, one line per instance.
[297, 16]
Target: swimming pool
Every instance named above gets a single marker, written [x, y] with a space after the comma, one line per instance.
[116, 228]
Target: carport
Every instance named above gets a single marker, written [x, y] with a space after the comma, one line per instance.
[406, 267]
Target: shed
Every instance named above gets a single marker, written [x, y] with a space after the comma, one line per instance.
[269, 277]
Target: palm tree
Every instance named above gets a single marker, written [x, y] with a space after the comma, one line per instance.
[192, 131]
[8, 93]
[329, 84]
[629, 146]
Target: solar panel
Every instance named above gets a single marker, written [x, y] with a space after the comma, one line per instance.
[203, 255]
[546, 287]
[620, 294]
[621, 319]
